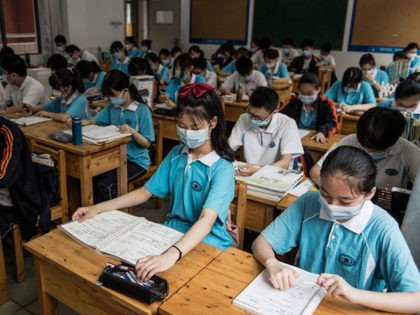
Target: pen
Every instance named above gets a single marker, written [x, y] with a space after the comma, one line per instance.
[125, 268]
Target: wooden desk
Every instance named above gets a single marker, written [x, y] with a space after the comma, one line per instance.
[348, 123]
[168, 126]
[86, 160]
[99, 103]
[233, 110]
[316, 149]
[216, 286]
[67, 271]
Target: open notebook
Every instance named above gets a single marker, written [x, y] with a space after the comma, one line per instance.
[30, 120]
[122, 236]
[95, 134]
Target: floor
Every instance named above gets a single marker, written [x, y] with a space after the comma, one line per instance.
[23, 296]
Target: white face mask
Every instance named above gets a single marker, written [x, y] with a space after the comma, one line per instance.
[308, 99]
[411, 55]
[407, 109]
[193, 138]
[270, 65]
[340, 212]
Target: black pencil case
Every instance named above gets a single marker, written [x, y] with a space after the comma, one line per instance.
[124, 281]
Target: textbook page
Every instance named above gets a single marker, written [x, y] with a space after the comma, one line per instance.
[260, 297]
[274, 178]
[30, 120]
[145, 239]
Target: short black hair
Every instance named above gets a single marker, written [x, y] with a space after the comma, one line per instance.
[264, 97]
[367, 59]
[307, 43]
[407, 88]
[130, 39]
[118, 80]
[414, 76]
[200, 63]
[175, 50]
[310, 78]
[86, 67]
[353, 76]
[326, 47]
[66, 77]
[152, 57]
[243, 52]
[139, 65]
[270, 53]
[184, 61]
[398, 55]
[356, 165]
[243, 66]
[72, 48]
[379, 128]
[265, 43]
[56, 62]
[147, 43]
[116, 46]
[288, 41]
[164, 51]
[60, 39]
[6, 50]
[14, 63]
[411, 46]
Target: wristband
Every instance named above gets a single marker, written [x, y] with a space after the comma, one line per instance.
[179, 251]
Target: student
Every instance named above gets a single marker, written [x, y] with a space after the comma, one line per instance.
[353, 244]
[161, 72]
[375, 77]
[288, 52]
[254, 46]
[392, 69]
[310, 110]
[267, 137]
[273, 68]
[196, 52]
[60, 48]
[127, 111]
[166, 58]
[130, 46]
[175, 52]
[352, 93]
[139, 66]
[308, 61]
[244, 75]
[397, 159]
[200, 68]
[231, 66]
[71, 103]
[198, 176]
[183, 75]
[146, 47]
[411, 51]
[258, 58]
[224, 55]
[121, 61]
[327, 61]
[6, 50]
[76, 54]
[57, 62]
[22, 91]
[91, 74]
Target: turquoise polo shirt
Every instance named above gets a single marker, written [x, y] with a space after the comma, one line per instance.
[137, 116]
[75, 106]
[307, 121]
[414, 64]
[368, 251]
[134, 52]
[230, 67]
[363, 96]
[279, 71]
[381, 77]
[122, 66]
[98, 82]
[163, 74]
[176, 84]
[207, 182]
[209, 66]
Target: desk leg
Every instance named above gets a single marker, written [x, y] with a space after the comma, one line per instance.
[86, 186]
[4, 295]
[47, 304]
[122, 171]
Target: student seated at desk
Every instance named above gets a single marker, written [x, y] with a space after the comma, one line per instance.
[411, 51]
[22, 91]
[244, 75]
[139, 66]
[198, 176]
[77, 54]
[258, 58]
[60, 47]
[70, 101]
[127, 111]
[311, 110]
[267, 137]
[166, 58]
[200, 68]
[223, 55]
[183, 75]
[56, 62]
[352, 93]
[375, 77]
[160, 72]
[273, 68]
[121, 61]
[392, 70]
[288, 52]
[231, 66]
[131, 47]
[354, 245]
[175, 52]
[91, 74]
[6, 50]
[196, 52]
[327, 61]
[308, 62]
[145, 47]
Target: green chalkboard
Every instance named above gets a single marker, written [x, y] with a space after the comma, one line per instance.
[319, 20]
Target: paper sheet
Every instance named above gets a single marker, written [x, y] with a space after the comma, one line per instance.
[302, 188]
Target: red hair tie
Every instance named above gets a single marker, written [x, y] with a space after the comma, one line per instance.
[197, 89]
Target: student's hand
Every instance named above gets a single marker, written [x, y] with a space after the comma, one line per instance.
[345, 108]
[25, 108]
[249, 92]
[148, 266]
[319, 137]
[83, 213]
[280, 276]
[369, 77]
[247, 169]
[163, 98]
[43, 113]
[338, 287]
[126, 129]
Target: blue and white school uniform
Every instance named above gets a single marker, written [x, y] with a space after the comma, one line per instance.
[414, 65]
[207, 182]
[97, 81]
[134, 53]
[122, 66]
[380, 77]
[230, 67]
[163, 74]
[137, 116]
[279, 71]
[75, 106]
[176, 84]
[364, 95]
[209, 65]
[368, 251]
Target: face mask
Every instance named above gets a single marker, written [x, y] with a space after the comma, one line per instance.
[129, 46]
[185, 77]
[411, 55]
[144, 48]
[406, 109]
[155, 67]
[340, 212]
[75, 59]
[306, 53]
[165, 62]
[260, 123]
[378, 156]
[56, 93]
[193, 138]
[118, 55]
[248, 77]
[270, 65]
[60, 49]
[221, 56]
[371, 71]
[117, 100]
[286, 51]
[308, 99]
[177, 74]
[253, 49]
[322, 58]
[352, 90]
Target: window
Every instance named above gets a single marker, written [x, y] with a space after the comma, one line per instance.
[131, 9]
[19, 26]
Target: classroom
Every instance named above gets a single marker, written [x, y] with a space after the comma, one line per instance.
[209, 157]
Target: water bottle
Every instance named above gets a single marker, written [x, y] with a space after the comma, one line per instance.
[76, 128]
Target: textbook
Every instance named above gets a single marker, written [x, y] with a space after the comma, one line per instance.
[122, 235]
[95, 134]
[30, 120]
[260, 297]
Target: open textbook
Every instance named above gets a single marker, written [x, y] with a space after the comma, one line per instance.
[260, 297]
[122, 236]
[98, 134]
[30, 120]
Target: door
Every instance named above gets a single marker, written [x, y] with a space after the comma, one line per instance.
[164, 23]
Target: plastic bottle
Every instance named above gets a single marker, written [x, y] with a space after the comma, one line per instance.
[239, 93]
[76, 127]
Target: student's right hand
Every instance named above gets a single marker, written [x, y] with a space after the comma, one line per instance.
[338, 287]
[280, 276]
[247, 169]
[163, 98]
[83, 213]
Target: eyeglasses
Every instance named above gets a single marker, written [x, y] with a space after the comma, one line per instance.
[257, 117]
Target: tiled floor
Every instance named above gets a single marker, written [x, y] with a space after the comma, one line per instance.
[23, 296]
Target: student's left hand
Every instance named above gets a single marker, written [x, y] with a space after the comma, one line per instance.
[247, 169]
[126, 129]
[148, 266]
[338, 287]
[369, 77]
[43, 113]
[319, 137]
[345, 108]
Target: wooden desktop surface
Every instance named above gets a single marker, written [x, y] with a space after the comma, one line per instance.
[68, 271]
[317, 149]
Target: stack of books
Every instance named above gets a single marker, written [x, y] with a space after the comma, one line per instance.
[95, 134]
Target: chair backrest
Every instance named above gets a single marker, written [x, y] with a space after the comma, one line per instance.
[325, 79]
[158, 144]
[238, 210]
[60, 211]
[283, 89]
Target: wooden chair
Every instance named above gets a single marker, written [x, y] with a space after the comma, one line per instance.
[325, 79]
[158, 148]
[238, 210]
[283, 90]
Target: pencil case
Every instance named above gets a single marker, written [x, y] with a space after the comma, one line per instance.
[124, 281]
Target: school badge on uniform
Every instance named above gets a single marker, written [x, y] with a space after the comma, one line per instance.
[196, 186]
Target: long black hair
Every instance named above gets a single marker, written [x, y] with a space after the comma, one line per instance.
[65, 77]
[138, 65]
[353, 76]
[206, 107]
[86, 67]
[118, 80]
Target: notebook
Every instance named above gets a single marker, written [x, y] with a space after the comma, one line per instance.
[95, 134]
[30, 120]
